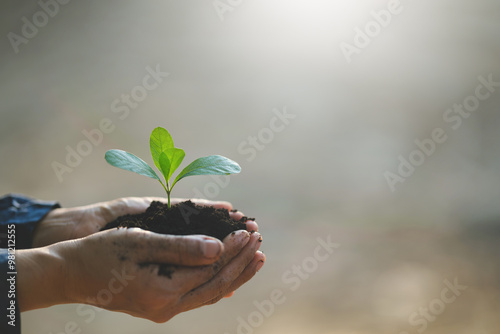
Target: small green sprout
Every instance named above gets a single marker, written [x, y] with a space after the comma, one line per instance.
[167, 159]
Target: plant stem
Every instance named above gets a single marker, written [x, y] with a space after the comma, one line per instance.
[168, 191]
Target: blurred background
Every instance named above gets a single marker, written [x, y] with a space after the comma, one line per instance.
[321, 102]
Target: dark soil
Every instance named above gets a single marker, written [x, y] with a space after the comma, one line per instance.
[182, 219]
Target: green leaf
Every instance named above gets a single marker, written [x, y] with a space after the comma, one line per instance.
[174, 157]
[211, 165]
[160, 141]
[130, 162]
[164, 165]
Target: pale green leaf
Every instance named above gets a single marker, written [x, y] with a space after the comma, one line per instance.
[130, 162]
[211, 165]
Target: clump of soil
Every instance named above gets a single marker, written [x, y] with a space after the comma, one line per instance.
[182, 219]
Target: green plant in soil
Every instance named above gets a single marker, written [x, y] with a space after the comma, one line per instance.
[167, 158]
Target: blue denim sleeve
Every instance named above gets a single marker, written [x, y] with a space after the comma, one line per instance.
[18, 218]
[23, 212]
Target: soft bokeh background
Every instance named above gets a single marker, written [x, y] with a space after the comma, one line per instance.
[323, 175]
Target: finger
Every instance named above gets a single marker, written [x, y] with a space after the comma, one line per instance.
[249, 272]
[236, 215]
[221, 282]
[229, 295]
[252, 226]
[258, 261]
[191, 250]
[189, 278]
[111, 210]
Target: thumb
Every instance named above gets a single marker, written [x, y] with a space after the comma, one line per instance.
[192, 250]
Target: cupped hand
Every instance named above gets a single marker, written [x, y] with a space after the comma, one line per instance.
[118, 270]
[72, 223]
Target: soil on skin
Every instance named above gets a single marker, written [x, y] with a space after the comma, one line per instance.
[183, 219]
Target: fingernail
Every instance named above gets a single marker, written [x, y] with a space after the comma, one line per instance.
[261, 261]
[257, 236]
[260, 264]
[240, 236]
[211, 248]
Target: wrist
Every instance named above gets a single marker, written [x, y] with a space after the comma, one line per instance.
[40, 279]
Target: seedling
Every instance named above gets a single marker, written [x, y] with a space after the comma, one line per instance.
[167, 159]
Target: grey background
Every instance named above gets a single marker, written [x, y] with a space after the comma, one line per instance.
[322, 175]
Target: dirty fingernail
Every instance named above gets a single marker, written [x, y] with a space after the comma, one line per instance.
[211, 248]
[240, 236]
[257, 236]
[260, 264]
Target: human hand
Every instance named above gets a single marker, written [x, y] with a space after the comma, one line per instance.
[117, 270]
[72, 223]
